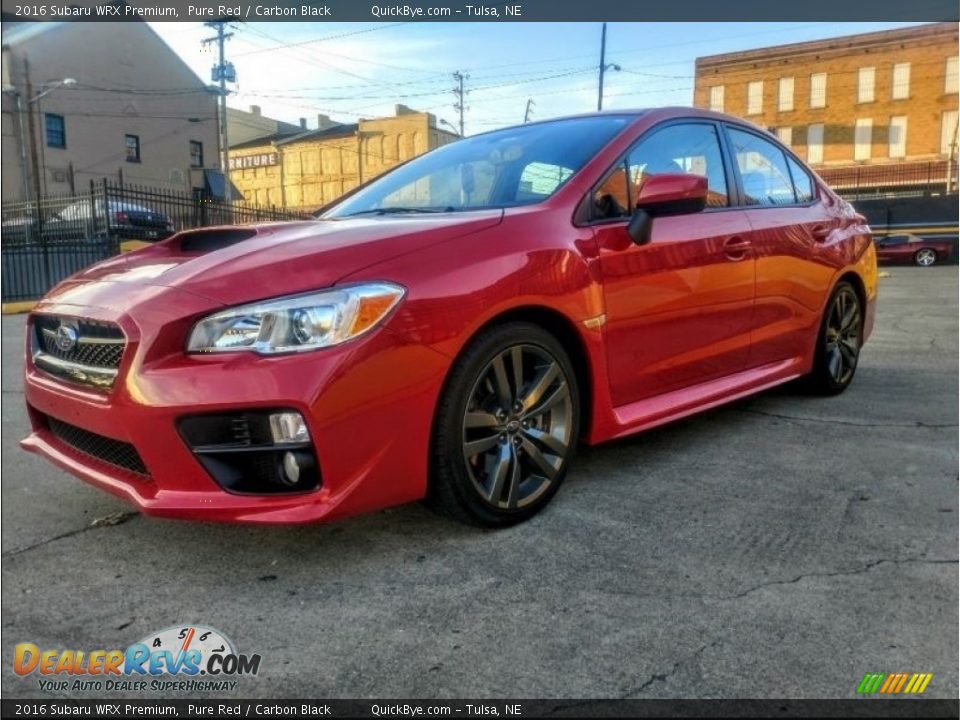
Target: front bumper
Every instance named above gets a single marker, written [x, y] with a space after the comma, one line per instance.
[368, 404]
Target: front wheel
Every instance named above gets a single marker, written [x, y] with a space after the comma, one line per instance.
[506, 428]
[838, 342]
[925, 257]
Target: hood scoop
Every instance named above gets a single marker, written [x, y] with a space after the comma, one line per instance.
[204, 241]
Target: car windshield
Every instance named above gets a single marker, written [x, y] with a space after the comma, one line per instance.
[516, 166]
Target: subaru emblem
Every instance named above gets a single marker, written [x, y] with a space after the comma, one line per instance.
[66, 338]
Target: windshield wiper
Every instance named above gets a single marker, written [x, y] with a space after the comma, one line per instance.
[400, 211]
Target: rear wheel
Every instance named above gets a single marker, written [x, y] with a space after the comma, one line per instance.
[506, 427]
[925, 257]
[838, 343]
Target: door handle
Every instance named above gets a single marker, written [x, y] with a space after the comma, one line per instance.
[821, 232]
[736, 247]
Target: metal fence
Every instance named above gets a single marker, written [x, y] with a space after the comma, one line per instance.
[45, 241]
[907, 179]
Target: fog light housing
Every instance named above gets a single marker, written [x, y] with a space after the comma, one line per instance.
[288, 427]
[295, 465]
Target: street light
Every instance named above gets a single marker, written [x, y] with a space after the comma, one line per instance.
[12, 89]
[449, 125]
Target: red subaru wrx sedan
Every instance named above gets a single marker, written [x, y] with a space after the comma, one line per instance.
[453, 329]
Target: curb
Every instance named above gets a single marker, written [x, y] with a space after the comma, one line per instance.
[15, 308]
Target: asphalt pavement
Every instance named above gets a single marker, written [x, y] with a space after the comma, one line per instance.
[778, 547]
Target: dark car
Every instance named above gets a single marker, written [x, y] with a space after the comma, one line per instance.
[913, 249]
[86, 219]
[125, 220]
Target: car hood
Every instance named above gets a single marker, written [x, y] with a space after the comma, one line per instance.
[231, 265]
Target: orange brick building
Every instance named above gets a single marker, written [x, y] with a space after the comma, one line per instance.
[885, 98]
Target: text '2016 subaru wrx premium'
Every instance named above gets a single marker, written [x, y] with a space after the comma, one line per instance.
[453, 329]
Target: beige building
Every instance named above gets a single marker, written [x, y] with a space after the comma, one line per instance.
[876, 98]
[130, 109]
[307, 169]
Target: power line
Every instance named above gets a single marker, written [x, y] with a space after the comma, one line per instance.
[458, 90]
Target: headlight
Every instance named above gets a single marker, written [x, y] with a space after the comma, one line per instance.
[298, 322]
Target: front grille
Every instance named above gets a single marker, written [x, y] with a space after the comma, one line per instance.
[97, 345]
[112, 452]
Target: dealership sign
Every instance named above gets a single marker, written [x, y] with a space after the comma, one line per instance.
[253, 161]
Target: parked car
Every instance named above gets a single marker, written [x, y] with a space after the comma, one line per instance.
[913, 249]
[91, 219]
[455, 328]
[125, 220]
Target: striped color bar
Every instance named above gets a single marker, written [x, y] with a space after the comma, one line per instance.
[894, 683]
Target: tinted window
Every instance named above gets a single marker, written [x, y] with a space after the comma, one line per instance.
[763, 170]
[56, 130]
[515, 166]
[692, 148]
[802, 183]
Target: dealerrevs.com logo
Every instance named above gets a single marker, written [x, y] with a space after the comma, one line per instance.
[186, 658]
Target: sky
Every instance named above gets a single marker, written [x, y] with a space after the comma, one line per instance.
[354, 70]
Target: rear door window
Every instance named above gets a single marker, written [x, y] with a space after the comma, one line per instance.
[763, 170]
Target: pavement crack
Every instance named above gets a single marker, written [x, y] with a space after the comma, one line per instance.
[99, 523]
[663, 677]
[839, 573]
[852, 423]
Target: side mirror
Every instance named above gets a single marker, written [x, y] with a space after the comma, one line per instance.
[665, 194]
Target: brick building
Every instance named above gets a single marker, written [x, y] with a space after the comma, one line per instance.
[306, 169]
[884, 98]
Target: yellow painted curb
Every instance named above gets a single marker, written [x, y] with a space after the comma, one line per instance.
[15, 308]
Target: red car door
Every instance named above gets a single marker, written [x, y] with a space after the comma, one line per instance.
[679, 307]
[794, 242]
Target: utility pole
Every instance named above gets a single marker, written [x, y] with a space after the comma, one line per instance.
[528, 111]
[459, 106]
[222, 72]
[603, 65]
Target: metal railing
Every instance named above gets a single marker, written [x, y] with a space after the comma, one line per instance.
[935, 177]
[44, 241]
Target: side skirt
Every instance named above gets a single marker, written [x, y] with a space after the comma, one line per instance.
[651, 412]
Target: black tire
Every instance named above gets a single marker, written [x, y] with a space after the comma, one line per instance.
[925, 257]
[838, 341]
[507, 482]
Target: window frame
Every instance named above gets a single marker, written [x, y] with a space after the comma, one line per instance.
[759, 110]
[199, 144]
[723, 100]
[126, 148]
[790, 97]
[947, 75]
[893, 81]
[902, 142]
[47, 116]
[585, 206]
[823, 99]
[817, 193]
[861, 71]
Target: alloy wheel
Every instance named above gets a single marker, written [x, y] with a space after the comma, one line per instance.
[843, 336]
[517, 426]
[925, 257]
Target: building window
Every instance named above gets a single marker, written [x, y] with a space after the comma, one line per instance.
[755, 97]
[196, 154]
[56, 130]
[716, 98]
[950, 79]
[866, 82]
[948, 132]
[862, 139]
[898, 136]
[818, 90]
[785, 135]
[133, 148]
[815, 143]
[901, 81]
[785, 94]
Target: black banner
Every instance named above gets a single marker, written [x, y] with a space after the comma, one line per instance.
[476, 10]
[863, 708]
